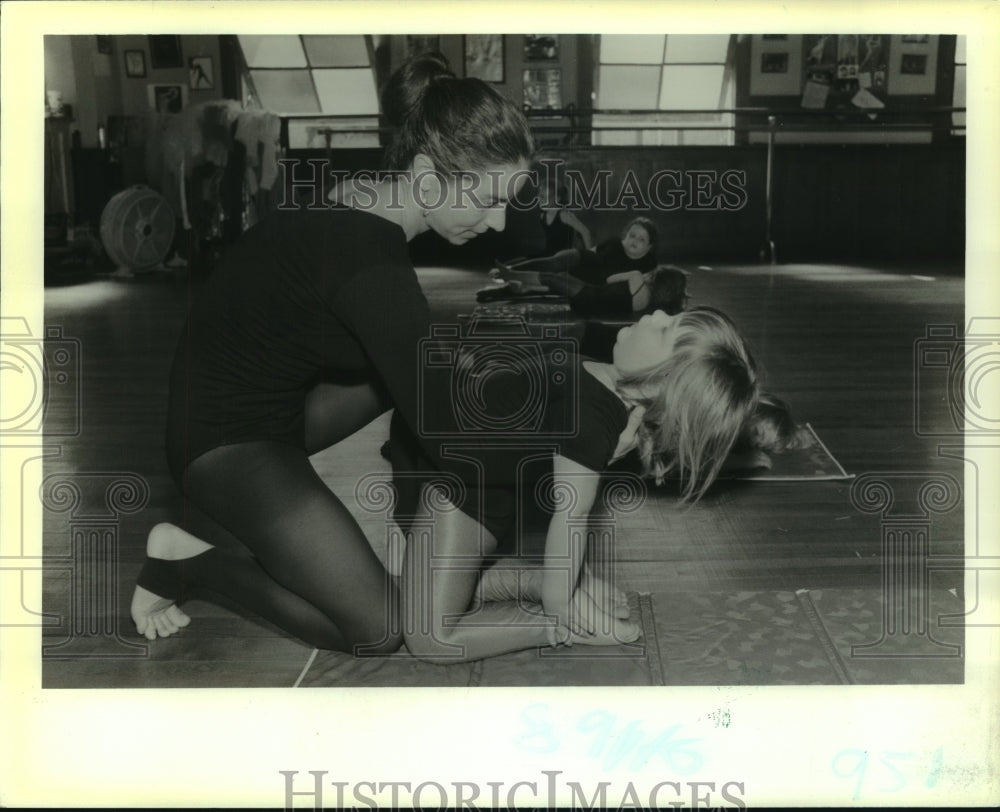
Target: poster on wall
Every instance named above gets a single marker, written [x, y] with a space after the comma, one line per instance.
[200, 74]
[871, 62]
[541, 47]
[167, 98]
[774, 63]
[816, 90]
[542, 88]
[913, 64]
[820, 51]
[135, 64]
[777, 61]
[847, 56]
[484, 56]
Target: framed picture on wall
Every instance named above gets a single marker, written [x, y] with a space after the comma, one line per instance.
[200, 76]
[913, 64]
[103, 44]
[484, 56]
[167, 98]
[135, 64]
[774, 63]
[541, 47]
[542, 88]
[165, 51]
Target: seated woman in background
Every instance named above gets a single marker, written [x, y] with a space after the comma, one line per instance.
[633, 250]
[678, 391]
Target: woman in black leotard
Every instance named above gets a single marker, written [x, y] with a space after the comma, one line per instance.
[308, 330]
[560, 226]
[679, 389]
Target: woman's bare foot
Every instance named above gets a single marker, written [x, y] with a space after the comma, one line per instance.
[520, 278]
[156, 616]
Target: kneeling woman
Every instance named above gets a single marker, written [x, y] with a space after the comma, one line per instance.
[306, 332]
[678, 391]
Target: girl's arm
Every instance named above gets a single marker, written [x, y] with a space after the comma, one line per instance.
[635, 279]
[444, 622]
[574, 491]
[636, 286]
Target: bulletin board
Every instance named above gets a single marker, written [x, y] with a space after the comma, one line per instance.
[822, 68]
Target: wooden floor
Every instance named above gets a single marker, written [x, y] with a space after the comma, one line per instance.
[837, 342]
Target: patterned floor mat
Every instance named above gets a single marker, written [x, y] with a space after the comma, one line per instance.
[807, 637]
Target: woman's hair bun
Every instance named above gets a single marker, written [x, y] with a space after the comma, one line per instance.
[406, 87]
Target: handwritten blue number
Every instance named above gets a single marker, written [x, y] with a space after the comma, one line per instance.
[678, 753]
[539, 738]
[900, 778]
[860, 766]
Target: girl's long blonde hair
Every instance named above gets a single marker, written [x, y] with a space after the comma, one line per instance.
[696, 403]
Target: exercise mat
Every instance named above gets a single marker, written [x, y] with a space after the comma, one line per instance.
[810, 460]
[803, 637]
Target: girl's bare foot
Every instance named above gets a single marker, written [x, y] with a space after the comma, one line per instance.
[509, 580]
[617, 632]
[154, 615]
[605, 595]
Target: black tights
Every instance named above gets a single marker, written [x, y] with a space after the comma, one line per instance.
[579, 266]
[312, 571]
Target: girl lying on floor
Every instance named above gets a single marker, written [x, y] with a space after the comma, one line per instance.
[771, 428]
[678, 391]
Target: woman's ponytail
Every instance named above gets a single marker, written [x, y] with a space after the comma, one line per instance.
[406, 87]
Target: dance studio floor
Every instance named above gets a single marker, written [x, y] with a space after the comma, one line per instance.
[763, 582]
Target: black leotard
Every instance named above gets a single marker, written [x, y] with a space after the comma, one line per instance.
[609, 299]
[609, 258]
[582, 422]
[558, 235]
[302, 295]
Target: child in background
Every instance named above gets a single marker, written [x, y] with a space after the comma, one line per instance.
[634, 250]
[624, 294]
